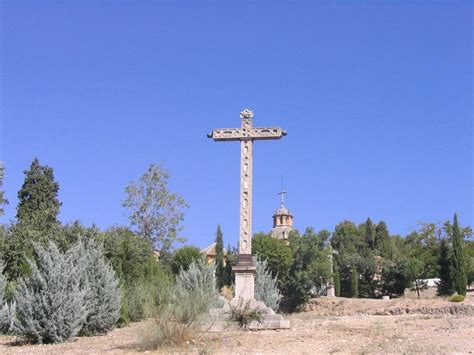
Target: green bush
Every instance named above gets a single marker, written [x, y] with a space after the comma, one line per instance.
[243, 315]
[456, 298]
[183, 257]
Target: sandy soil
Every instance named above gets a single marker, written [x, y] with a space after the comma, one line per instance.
[333, 326]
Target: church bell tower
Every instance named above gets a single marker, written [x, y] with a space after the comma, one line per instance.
[282, 220]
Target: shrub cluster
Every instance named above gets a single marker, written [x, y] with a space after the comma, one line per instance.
[65, 294]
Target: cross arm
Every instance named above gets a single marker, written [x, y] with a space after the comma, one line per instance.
[238, 134]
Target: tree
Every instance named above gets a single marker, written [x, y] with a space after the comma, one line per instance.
[382, 241]
[445, 267]
[3, 200]
[37, 211]
[183, 257]
[415, 273]
[277, 254]
[459, 265]
[354, 283]
[393, 278]
[369, 234]
[38, 204]
[220, 271]
[155, 212]
[232, 256]
[346, 238]
[337, 281]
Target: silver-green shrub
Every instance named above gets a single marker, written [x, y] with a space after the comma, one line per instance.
[266, 289]
[102, 298]
[50, 305]
[66, 294]
[194, 294]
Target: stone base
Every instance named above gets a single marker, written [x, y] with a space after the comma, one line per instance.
[270, 320]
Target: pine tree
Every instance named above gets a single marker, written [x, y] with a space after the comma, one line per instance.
[445, 285]
[38, 204]
[369, 233]
[459, 266]
[220, 271]
[382, 241]
[354, 283]
[3, 200]
[266, 289]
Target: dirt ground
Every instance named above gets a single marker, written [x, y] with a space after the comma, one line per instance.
[328, 326]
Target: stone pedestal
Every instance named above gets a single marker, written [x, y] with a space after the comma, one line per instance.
[244, 278]
[331, 291]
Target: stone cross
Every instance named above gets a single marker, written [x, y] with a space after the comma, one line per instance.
[245, 270]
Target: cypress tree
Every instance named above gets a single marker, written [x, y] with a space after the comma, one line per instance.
[38, 204]
[369, 233]
[220, 272]
[3, 200]
[337, 281]
[459, 265]
[354, 283]
[382, 240]
[228, 267]
[445, 285]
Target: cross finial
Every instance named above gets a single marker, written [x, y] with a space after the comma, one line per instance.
[246, 113]
[282, 197]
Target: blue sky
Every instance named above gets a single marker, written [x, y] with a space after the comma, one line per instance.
[376, 98]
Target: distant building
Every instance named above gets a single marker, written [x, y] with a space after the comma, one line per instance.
[210, 253]
[282, 220]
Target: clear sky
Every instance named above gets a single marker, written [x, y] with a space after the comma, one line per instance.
[376, 98]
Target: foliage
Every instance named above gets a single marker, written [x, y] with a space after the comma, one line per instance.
[346, 239]
[415, 274]
[220, 269]
[445, 285]
[155, 212]
[277, 254]
[456, 298]
[50, 303]
[382, 241]
[354, 283]
[266, 289]
[71, 233]
[38, 204]
[369, 233]
[183, 257]
[393, 278]
[102, 298]
[232, 256]
[3, 200]
[194, 294]
[37, 210]
[459, 265]
[244, 315]
[337, 281]
[310, 271]
[3, 306]
[145, 285]
[65, 294]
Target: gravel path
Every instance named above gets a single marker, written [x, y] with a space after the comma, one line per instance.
[355, 326]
